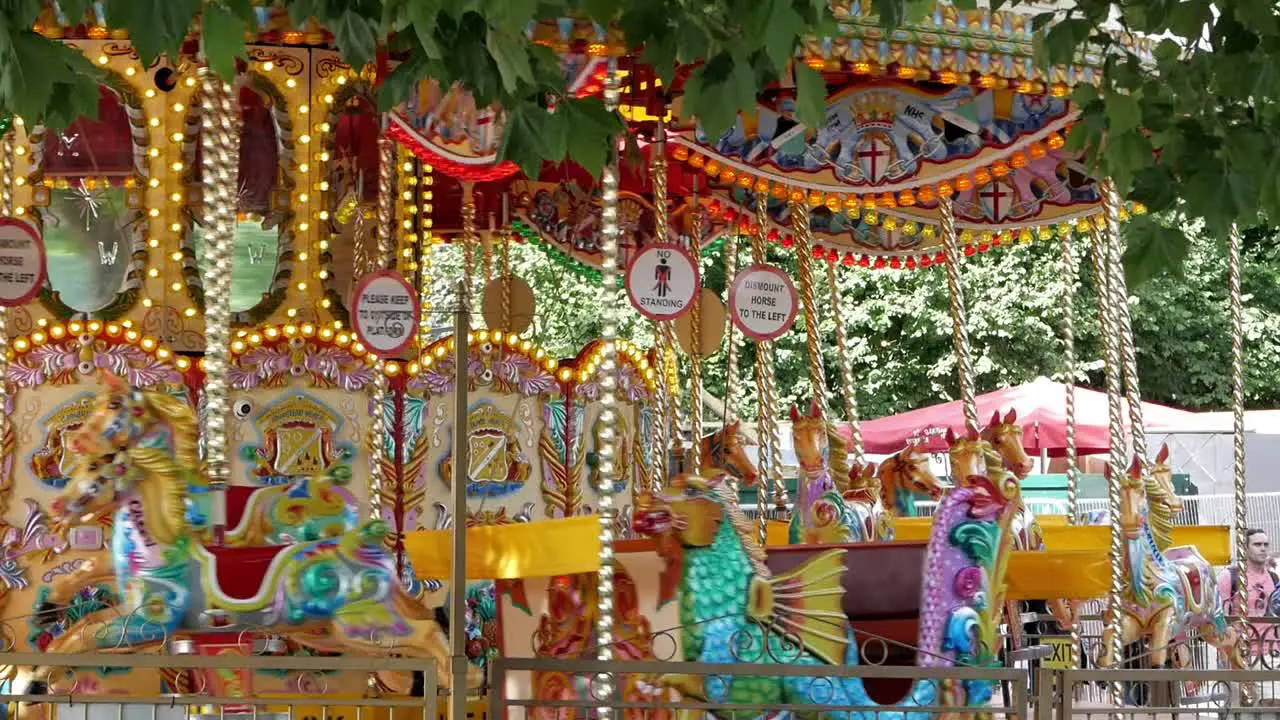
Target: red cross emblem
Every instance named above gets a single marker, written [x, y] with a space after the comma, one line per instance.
[995, 196]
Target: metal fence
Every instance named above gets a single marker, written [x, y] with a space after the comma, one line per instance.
[640, 690]
[550, 689]
[65, 687]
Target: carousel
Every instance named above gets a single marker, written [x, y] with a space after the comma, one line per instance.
[244, 417]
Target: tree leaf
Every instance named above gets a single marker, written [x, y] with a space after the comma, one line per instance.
[222, 35]
[422, 15]
[510, 16]
[1061, 40]
[355, 38]
[398, 85]
[524, 137]
[781, 32]
[511, 57]
[811, 95]
[1152, 250]
[1123, 113]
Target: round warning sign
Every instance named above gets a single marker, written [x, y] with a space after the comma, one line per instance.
[22, 262]
[661, 281]
[384, 313]
[762, 302]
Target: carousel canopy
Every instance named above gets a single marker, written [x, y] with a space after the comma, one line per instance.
[1041, 408]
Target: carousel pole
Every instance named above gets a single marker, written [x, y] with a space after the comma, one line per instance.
[1069, 369]
[603, 684]
[693, 457]
[1118, 291]
[959, 327]
[770, 443]
[458, 590]
[850, 388]
[468, 237]
[731, 347]
[1116, 464]
[804, 262]
[6, 210]
[662, 426]
[385, 259]
[1237, 436]
[220, 140]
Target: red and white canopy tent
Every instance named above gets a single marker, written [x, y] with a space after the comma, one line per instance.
[1041, 409]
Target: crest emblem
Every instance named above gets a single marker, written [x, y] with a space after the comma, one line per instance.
[299, 440]
[50, 463]
[497, 466]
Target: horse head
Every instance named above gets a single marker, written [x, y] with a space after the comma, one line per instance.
[909, 470]
[1133, 501]
[1005, 435]
[1162, 480]
[809, 437]
[968, 454]
[98, 483]
[727, 452]
[692, 509]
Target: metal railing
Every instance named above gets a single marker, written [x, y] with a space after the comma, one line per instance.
[546, 689]
[47, 686]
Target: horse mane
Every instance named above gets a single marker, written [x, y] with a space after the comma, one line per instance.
[837, 453]
[1159, 518]
[170, 484]
[754, 552]
[182, 419]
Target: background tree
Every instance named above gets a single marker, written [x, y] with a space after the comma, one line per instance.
[900, 329]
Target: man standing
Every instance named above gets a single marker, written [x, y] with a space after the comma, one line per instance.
[1260, 582]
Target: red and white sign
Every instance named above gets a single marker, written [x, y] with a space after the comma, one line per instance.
[22, 262]
[762, 302]
[384, 313]
[662, 281]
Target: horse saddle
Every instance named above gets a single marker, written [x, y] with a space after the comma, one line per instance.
[241, 574]
[1192, 568]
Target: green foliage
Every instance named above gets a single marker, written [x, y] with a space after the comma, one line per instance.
[899, 328]
[479, 44]
[1193, 126]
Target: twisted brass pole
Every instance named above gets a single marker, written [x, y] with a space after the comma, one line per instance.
[220, 141]
[1116, 465]
[1069, 369]
[1237, 427]
[694, 458]
[768, 432]
[959, 326]
[6, 209]
[1119, 298]
[799, 212]
[850, 389]
[468, 239]
[663, 352]
[731, 350]
[386, 258]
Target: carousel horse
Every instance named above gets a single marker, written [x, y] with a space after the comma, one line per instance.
[999, 447]
[1163, 507]
[1162, 497]
[1167, 592]
[723, 451]
[732, 604]
[838, 504]
[335, 594]
[305, 509]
